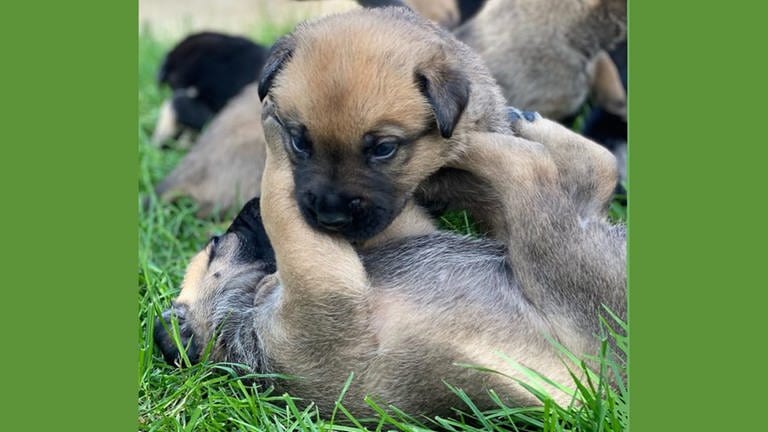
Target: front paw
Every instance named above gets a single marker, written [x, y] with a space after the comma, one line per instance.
[167, 342]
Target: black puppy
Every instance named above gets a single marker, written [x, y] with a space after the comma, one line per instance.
[205, 71]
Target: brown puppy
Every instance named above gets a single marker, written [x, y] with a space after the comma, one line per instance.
[401, 314]
[546, 54]
[547, 61]
[372, 114]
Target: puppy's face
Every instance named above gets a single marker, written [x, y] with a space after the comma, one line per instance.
[234, 261]
[363, 122]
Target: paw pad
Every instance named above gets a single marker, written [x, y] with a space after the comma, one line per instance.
[513, 114]
[531, 115]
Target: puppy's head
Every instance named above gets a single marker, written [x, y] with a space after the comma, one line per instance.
[364, 104]
[228, 269]
[205, 71]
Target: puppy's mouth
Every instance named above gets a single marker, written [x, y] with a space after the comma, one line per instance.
[354, 226]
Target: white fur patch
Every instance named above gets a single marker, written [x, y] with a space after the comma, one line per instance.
[167, 126]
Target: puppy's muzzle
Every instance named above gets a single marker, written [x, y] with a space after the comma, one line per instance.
[167, 343]
[333, 211]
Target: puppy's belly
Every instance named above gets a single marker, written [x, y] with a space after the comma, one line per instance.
[443, 342]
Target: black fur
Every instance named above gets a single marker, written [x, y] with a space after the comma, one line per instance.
[254, 243]
[468, 8]
[191, 112]
[319, 191]
[602, 126]
[219, 66]
[447, 91]
[605, 128]
[380, 3]
[281, 52]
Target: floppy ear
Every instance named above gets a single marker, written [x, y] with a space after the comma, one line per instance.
[447, 91]
[256, 245]
[281, 52]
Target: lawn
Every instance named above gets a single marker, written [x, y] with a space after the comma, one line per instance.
[210, 397]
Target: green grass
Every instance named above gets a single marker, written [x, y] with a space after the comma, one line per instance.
[212, 397]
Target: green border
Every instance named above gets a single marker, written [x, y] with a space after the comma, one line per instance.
[69, 215]
[69, 164]
[697, 235]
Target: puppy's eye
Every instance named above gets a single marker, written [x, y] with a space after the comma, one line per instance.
[214, 241]
[384, 149]
[300, 146]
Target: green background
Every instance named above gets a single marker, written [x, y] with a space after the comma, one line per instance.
[69, 215]
[697, 227]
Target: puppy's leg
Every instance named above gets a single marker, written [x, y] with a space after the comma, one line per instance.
[309, 262]
[587, 171]
[566, 268]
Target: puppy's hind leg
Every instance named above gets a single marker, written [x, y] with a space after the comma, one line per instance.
[587, 171]
[566, 269]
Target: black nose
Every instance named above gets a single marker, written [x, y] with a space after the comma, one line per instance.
[334, 211]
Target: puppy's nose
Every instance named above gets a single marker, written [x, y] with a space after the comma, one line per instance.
[334, 211]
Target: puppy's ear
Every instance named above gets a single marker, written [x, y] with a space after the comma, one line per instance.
[280, 53]
[447, 91]
[255, 242]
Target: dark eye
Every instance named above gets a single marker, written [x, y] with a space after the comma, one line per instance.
[384, 149]
[214, 241]
[299, 144]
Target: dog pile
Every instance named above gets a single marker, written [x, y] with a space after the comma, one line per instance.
[358, 126]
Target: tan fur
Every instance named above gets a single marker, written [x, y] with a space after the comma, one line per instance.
[540, 51]
[325, 314]
[412, 221]
[334, 99]
[607, 90]
[444, 12]
[313, 266]
[166, 126]
[193, 278]
[223, 169]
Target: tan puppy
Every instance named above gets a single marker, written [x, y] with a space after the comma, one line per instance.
[372, 114]
[401, 314]
[538, 60]
[545, 54]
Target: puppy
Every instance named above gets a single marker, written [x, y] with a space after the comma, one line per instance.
[400, 314]
[205, 71]
[200, 175]
[223, 169]
[361, 146]
[545, 54]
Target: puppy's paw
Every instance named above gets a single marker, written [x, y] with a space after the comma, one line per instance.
[516, 117]
[166, 340]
